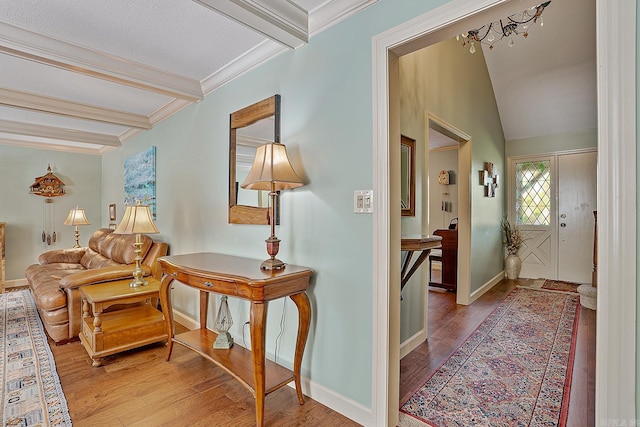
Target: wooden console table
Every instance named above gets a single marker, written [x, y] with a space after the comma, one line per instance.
[416, 243]
[241, 278]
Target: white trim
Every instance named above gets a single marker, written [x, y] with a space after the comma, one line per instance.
[617, 211]
[484, 288]
[413, 342]
[15, 283]
[43, 131]
[22, 43]
[281, 21]
[332, 12]
[60, 107]
[40, 145]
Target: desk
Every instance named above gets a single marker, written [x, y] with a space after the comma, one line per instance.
[415, 243]
[241, 278]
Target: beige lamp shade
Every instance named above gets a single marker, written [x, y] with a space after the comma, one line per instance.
[136, 220]
[271, 167]
[76, 217]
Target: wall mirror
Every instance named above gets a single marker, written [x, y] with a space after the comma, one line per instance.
[249, 128]
[407, 176]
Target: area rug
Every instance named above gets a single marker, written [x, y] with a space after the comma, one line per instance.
[31, 391]
[513, 370]
[551, 285]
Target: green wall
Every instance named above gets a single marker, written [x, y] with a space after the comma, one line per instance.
[23, 212]
[437, 80]
[553, 143]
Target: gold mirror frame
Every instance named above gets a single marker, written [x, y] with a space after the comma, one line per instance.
[243, 214]
[408, 176]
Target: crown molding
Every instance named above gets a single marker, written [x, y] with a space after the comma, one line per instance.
[49, 51]
[60, 107]
[333, 12]
[42, 131]
[9, 140]
[251, 59]
[283, 22]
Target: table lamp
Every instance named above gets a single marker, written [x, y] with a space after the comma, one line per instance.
[76, 217]
[272, 171]
[137, 220]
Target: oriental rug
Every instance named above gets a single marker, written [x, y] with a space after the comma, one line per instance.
[31, 392]
[513, 370]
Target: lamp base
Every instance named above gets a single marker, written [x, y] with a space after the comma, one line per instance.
[272, 264]
[224, 341]
[137, 282]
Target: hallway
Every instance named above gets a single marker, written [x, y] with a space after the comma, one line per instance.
[450, 324]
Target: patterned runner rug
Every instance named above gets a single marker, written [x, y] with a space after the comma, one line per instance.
[513, 370]
[31, 391]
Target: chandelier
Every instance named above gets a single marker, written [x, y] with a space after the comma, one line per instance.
[513, 25]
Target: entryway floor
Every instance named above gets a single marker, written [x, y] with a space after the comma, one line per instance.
[450, 324]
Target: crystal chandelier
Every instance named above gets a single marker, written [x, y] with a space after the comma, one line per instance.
[516, 24]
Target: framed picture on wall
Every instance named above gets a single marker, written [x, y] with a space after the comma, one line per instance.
[112, 212]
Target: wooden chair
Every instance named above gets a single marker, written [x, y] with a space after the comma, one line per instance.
[448, 259]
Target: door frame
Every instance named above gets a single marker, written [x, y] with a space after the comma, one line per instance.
[463, 180]
[617, 186]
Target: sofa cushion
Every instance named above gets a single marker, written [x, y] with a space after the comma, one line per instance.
[93, 260]
[122, 248]
[98, 236]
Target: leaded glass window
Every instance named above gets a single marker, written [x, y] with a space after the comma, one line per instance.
[533, 193]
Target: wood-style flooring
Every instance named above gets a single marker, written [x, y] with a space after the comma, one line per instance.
[450, 324]
[139, 388]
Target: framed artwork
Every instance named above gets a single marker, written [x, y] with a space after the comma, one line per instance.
[140, 179]
[112, 212]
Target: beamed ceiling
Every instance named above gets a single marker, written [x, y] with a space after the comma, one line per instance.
[86, 75]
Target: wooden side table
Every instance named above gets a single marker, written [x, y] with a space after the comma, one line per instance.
[415, 243]
[241, 278]
[105, 333]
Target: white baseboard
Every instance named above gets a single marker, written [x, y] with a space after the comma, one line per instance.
[484, 288]
[15, 283]
[412, 342]
[345, 406]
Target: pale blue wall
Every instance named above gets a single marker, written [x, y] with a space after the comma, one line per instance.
[326, 90]
[23, 212]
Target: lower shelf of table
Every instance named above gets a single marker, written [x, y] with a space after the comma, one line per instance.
[236, 361]
[123, 330]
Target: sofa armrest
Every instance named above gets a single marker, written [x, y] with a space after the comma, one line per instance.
[71, 256]
[98, 275]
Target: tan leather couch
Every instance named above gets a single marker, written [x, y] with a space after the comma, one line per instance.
[55, 282]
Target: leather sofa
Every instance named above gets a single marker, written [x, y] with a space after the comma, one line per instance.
[55, 282]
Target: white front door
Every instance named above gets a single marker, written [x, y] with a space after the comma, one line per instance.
[576, 203]
[552, 200]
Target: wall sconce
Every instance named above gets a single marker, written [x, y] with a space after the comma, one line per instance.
[490, 179]
[76, 217]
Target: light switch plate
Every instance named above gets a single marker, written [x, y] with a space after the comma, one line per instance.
[363, 201]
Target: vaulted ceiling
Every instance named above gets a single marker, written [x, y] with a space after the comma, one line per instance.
[86, 76]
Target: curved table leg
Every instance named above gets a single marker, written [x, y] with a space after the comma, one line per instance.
[167, 312]
[304, 318]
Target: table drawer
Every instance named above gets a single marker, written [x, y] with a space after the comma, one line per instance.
[220, 286]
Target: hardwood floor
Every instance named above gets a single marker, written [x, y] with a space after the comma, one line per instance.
[140, 388]
[450, 324]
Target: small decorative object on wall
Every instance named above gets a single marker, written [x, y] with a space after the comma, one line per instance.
[490, 179]
[76, 217]
[140, 179]
[407, 176]
[48, 186]
[112, 216]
